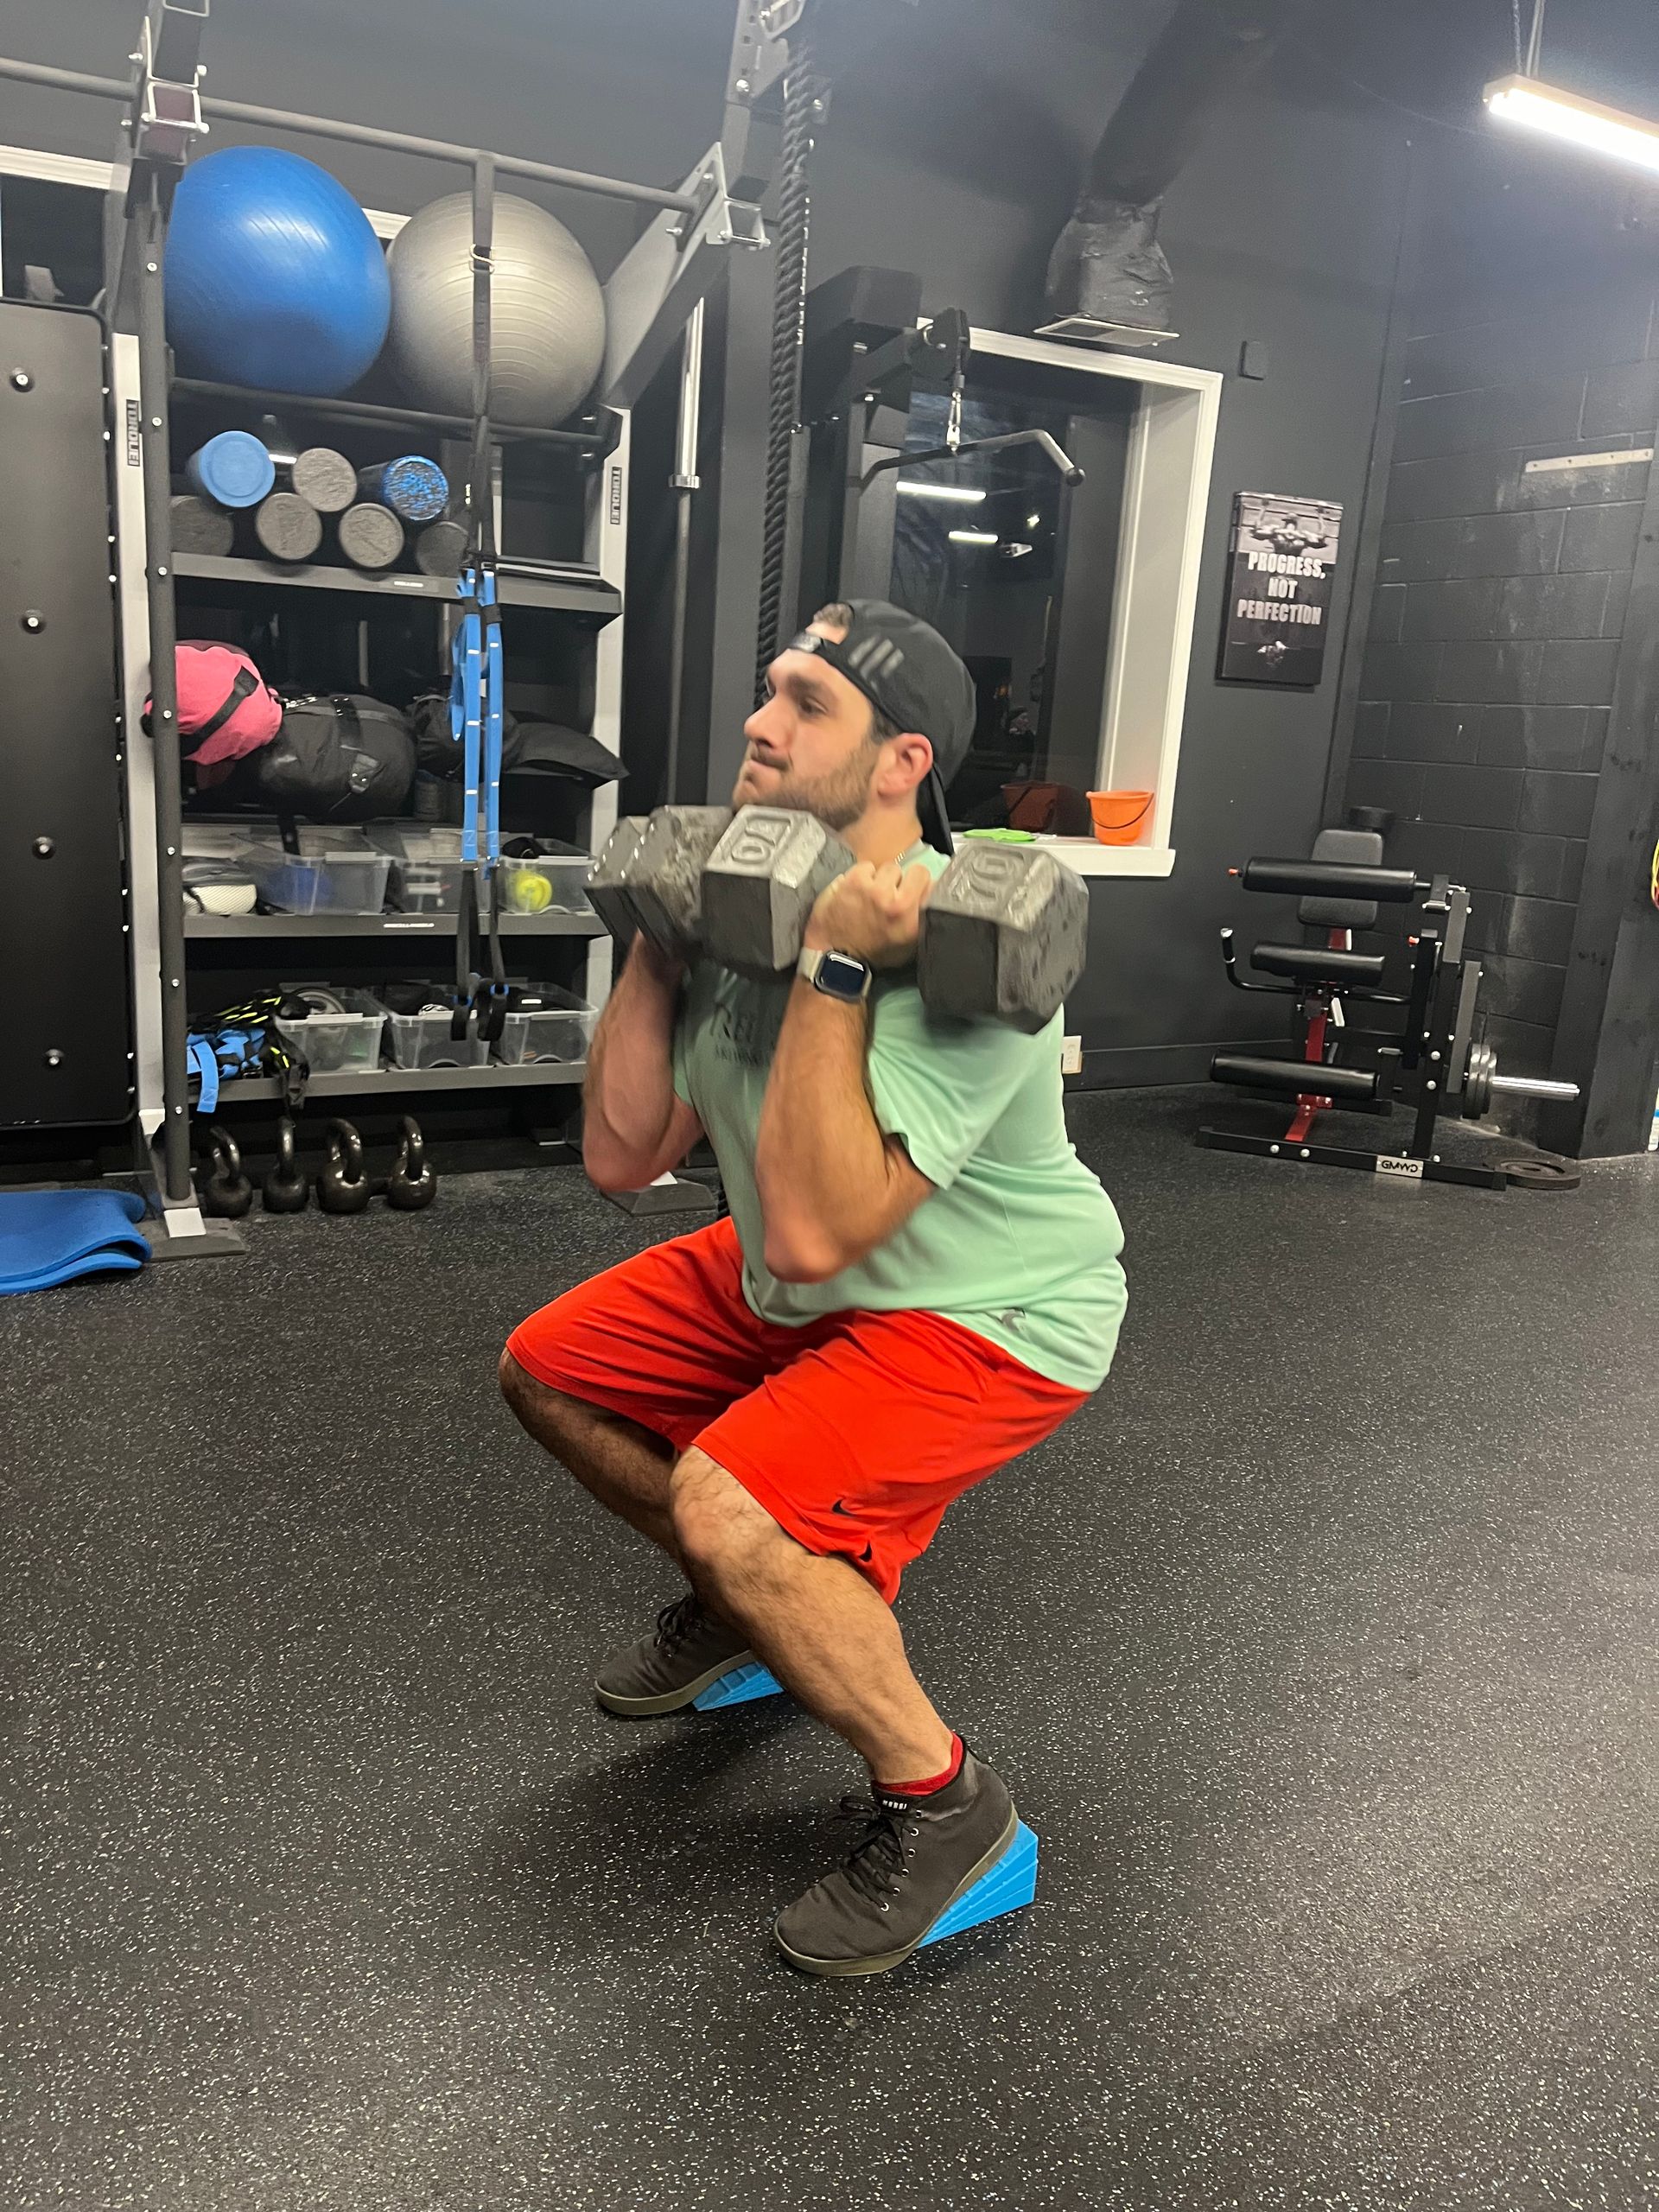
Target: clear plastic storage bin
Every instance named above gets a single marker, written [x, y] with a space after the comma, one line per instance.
[215, 841]
[335, 881]
[561, 1032]
[422, 1040]
[554, 884]
[338, 1044]
[425, 867]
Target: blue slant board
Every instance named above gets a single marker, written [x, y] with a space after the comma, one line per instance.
[52, 1237]
[750, 1680]
[1002, 1888]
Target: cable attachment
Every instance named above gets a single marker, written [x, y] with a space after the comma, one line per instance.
[953, 418]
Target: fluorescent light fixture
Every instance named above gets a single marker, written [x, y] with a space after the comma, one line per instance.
[1033, 521]
[964, 495]
[971, 536]
[1583, 122]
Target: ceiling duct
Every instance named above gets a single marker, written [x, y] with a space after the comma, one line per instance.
[1108, 282]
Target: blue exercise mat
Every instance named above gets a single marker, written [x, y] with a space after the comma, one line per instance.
[52, 1237]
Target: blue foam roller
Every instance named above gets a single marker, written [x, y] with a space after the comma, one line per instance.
[749, 1681]
[1002, 1888]
[411, 486]
[234, 468]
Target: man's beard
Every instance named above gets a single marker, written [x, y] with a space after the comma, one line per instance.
[837, 799]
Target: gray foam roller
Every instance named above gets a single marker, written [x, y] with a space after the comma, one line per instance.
[371, 536]
[439, 549]
[324, 477]
[198, 526]
[288, 527]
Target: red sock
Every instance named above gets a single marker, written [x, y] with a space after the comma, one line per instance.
[933, 1781]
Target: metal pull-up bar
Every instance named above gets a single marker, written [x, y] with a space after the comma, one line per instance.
[362, 134]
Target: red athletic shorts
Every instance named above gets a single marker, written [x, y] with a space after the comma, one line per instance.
[855, 1432]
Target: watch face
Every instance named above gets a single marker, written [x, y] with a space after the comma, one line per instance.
[843, 976]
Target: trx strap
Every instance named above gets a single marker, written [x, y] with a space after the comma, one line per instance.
[205, 1061]
[477, 682]
[243, 1040]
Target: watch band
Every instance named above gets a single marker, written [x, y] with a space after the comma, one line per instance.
[811, 969]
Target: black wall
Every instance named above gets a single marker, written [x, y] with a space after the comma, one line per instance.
[1509, 699]
[1499, 609]
[1285, 229]
[955, 135]
[959, 158]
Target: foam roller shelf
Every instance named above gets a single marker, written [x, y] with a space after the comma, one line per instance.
[393, 1081]
[383, 926]
[574, 592]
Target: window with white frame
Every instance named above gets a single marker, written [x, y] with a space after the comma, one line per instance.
[1073, 607]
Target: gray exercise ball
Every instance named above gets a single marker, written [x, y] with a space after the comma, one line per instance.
[546, 313]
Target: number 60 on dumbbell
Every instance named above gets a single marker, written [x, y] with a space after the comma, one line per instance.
[1002, 937]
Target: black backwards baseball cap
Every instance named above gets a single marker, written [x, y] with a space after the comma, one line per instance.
[908, 673]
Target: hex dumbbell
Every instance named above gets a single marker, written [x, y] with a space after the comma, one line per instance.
[1003, 933]
[649, 876]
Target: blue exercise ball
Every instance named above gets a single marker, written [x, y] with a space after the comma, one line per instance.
[274, 278]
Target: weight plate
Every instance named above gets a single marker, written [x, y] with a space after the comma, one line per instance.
[1478, 1079]
[1542, 1173]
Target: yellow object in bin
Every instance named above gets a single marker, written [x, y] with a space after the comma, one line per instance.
[527, 892]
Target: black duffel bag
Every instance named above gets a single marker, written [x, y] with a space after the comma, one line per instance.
[545, 746]
[339, 757]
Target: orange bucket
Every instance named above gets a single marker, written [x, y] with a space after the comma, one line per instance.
[1120, 818]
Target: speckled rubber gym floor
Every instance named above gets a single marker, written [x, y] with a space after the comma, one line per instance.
[1321, 1652]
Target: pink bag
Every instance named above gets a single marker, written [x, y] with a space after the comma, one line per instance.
[225, 707]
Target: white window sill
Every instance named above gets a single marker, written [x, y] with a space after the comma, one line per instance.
[1087, 857]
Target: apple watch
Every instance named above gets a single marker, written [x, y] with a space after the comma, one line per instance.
[837, 975]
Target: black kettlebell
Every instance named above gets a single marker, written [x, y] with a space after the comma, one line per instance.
[342, 1186]
[226, 1194]
[412, 1184]
[285, 1189]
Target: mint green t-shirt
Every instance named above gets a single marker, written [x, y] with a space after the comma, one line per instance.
[1018, 1241]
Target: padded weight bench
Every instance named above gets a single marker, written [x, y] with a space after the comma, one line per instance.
[1434, 1062]
[1318, 976]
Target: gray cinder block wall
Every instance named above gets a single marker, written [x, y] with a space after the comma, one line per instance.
[1499, 610]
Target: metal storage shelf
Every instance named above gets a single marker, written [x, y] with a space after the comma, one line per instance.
[388, 926]
[576, 594]
[392, 1082]
[586, 443]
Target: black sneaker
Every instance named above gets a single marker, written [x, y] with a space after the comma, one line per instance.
[664, 1672]
[913, 1857]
